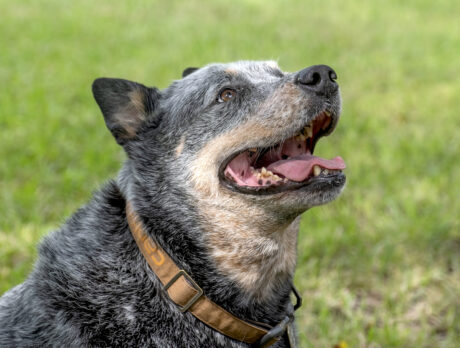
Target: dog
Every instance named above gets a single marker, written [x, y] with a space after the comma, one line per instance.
[219, 168]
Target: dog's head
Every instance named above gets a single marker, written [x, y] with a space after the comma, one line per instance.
[244, 131]
[227, 153]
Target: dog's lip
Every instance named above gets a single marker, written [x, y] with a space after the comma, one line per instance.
[338, 179]
[290, 185]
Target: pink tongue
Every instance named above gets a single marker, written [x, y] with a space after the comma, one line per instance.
[299, 168]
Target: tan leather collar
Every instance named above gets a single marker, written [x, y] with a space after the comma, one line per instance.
[184, 292]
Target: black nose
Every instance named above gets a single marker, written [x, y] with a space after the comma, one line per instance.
[318, 78]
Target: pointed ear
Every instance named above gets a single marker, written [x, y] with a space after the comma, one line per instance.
[188, 71]
[125, 105]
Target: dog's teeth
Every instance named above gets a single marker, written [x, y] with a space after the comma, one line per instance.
[325, 172]
[252, 151]
[316, 170]
[308, 131]
[266, 173]
[328, 113]
[275, 178]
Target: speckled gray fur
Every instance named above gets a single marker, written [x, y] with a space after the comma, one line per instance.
[90, 286]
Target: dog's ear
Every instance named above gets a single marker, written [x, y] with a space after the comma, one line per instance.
[125, 105]
[188, 71]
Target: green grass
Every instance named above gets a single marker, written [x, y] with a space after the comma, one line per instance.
[377, 268]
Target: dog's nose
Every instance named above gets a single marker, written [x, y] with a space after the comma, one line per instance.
[319, 79]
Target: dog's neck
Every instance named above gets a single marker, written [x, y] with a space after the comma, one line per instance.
[241, 265]
[250, 246]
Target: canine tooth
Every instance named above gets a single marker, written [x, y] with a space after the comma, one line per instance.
[325, 171]
[328, 113]
[308, 131]
[252, 151]
[263, 171]
[316, 170]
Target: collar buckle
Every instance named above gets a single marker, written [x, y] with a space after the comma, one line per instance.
[187, 277]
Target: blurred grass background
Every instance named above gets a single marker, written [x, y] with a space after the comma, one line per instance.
[377, 268]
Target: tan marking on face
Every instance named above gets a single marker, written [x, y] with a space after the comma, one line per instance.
[180, 147]
[205, 167]
[248, 242]
[282, 108]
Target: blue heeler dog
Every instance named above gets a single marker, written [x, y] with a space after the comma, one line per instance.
[219, 168]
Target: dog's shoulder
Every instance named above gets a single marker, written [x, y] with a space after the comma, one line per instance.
[78, 266]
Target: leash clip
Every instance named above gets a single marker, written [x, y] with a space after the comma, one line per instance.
[275, 333]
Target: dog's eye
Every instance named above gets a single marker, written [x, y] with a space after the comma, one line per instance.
[226, 95]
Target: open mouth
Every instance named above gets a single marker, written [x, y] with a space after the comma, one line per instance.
[287, 165]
